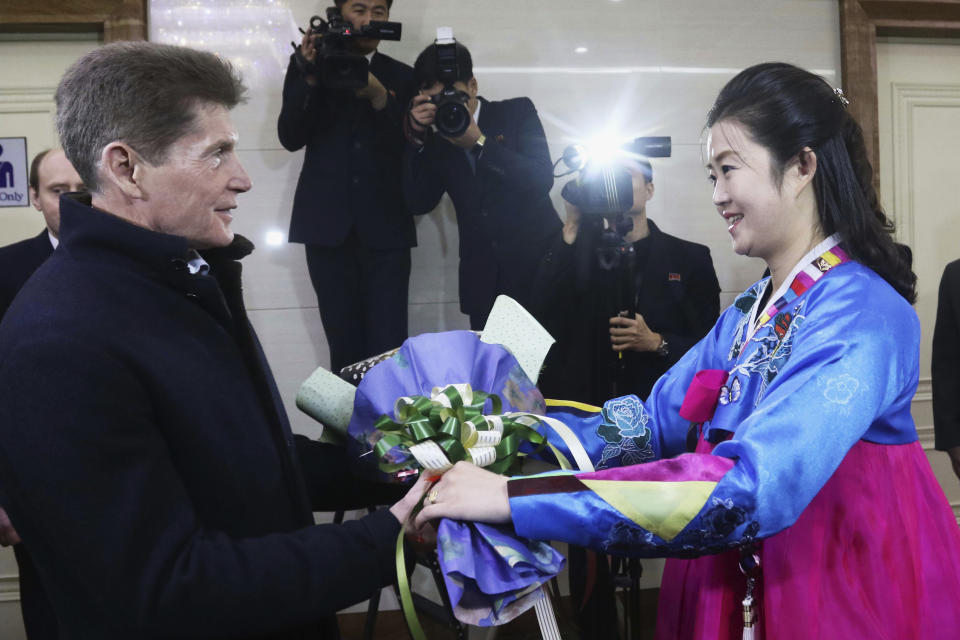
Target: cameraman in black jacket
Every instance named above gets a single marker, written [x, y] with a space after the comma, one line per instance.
[348, 208]
[498, 174]
[671, 301]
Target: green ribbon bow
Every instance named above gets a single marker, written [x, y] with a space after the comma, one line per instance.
[451, 426]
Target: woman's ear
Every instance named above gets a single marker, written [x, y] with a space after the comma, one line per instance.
[121, 168]
[806, 168]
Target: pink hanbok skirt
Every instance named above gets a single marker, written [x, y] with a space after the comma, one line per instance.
[875, 555]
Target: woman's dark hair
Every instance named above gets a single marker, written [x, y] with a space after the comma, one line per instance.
[785, 108]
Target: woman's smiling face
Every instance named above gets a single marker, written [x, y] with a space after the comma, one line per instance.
[754, 207]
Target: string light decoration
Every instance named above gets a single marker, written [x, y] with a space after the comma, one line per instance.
[254, 35]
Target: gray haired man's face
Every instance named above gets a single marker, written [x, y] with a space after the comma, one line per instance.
[193, 193]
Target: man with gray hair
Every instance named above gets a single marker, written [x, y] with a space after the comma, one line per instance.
[145, 457]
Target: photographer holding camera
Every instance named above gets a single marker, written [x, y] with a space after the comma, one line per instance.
[492, 159]
[620, 326]
[345, 102]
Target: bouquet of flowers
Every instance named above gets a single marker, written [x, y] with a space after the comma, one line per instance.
[452, 396]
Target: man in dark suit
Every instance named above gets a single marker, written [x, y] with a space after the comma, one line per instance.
[498, 174]
[670, 292]
[145, 457]
[51, 174]
[348, 207]
[945, 366]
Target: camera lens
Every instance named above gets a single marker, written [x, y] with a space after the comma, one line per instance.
[453, 119]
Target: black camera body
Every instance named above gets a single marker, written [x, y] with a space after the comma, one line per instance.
[606, 188]
[338, 66]
[453, 113]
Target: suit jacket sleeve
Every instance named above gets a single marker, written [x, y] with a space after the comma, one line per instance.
[131, 535]
[526, 169]
[553, 278]
[325, 466]
[700, 307]
[945, 366]
[423, 178]
[303, 111]
[389, 120]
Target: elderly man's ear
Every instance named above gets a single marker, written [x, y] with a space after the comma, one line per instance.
[121, 168]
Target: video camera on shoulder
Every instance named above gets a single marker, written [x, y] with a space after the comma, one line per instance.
[604, 186]
[340, 68]
[453, 115]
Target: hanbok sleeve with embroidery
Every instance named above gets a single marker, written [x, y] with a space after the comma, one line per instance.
[838, 365]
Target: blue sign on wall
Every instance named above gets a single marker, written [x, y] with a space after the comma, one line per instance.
[13, 173]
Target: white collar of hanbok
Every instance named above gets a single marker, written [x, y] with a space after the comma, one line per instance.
[819, 249]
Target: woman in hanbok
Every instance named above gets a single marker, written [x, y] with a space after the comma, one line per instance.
[796, 501]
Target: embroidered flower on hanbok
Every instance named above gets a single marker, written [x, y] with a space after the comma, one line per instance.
[840, 390]
[744, 303]
[628, 538]
[722, 518]
[713, 532]
[774, 345]
[624, 429]
[717, 523]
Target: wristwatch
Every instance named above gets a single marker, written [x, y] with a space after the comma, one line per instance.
[478, 145]
[664, 347]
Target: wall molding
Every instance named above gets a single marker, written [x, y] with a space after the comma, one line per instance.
[861, 21]
[907, 99]
[29, 99]
[10, 588]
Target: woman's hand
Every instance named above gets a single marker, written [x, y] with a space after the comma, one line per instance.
[467, 492]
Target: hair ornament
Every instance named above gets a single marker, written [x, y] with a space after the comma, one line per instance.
[841, 97]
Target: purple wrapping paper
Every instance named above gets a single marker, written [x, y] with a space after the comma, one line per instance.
[435, 360]
[492, 575]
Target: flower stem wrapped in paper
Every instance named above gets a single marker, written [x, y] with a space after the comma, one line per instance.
[454, 396]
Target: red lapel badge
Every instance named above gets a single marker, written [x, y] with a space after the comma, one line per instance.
[673, 277]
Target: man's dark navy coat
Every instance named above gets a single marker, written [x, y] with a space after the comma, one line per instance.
[18, 261]
[145, 457]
